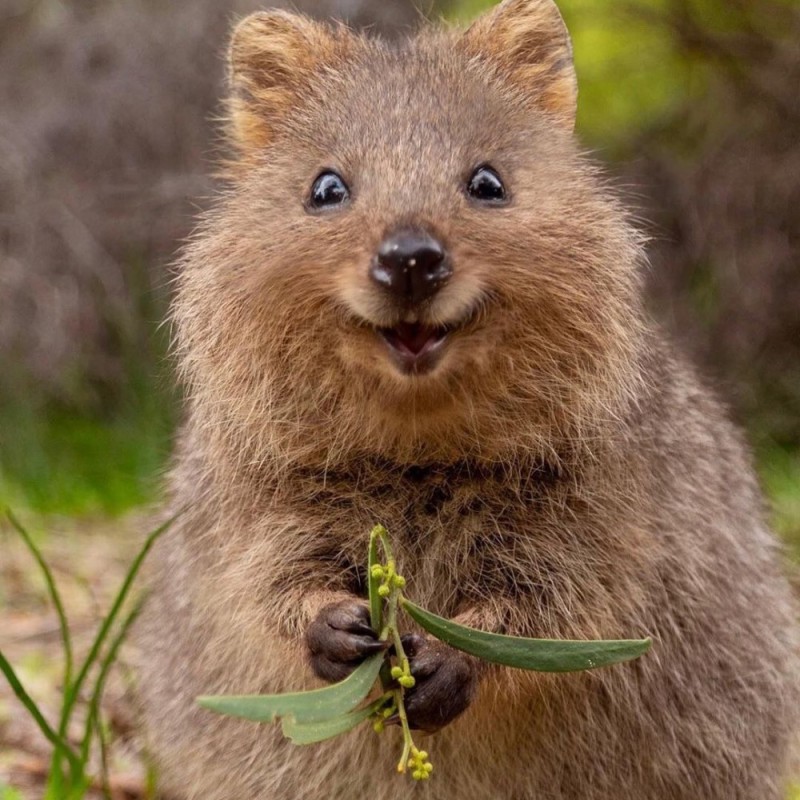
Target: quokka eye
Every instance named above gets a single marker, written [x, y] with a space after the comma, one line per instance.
[328, 189]
[486, 185]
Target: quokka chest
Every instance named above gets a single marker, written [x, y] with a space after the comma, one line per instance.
[454, 529]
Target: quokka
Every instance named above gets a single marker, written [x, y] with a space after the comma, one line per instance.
[417, 303]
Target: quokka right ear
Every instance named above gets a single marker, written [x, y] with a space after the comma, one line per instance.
[527, 41]
[273, 57]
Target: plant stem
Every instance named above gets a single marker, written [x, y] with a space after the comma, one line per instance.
[390, 629]
[408, 741]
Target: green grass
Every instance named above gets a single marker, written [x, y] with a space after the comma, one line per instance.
[780, 477]
[79, 466]
[54, 460]
[91, 450]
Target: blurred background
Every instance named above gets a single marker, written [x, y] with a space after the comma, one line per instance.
[107, 139]
[107, 142]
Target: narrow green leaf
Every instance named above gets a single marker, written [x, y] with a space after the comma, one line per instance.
[52, 590]
[72, 692]
[316, 705]
[312, 732]
[375, 601]
[377, 535]
[93, 716]
[541, 655]
[58, 742]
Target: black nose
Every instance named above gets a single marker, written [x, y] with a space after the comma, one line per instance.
[411, 264]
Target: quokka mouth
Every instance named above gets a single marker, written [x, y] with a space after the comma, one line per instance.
[415, 347]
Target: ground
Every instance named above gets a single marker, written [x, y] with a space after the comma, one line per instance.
[89, 560]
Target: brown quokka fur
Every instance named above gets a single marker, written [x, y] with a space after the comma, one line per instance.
[546, 465]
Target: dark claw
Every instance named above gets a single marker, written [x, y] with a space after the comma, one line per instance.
[363, 630]
[340, 638]
[348, 615]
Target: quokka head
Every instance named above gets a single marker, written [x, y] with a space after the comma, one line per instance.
[413, 259]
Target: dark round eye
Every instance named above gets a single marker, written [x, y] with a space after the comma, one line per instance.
[329, 189]
[486, 185]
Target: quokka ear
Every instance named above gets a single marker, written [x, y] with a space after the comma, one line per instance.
[528, 42]
[272, 59]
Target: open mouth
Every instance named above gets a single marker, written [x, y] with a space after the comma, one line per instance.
[415, 347]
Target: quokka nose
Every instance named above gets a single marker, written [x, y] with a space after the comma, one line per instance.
[412, 265]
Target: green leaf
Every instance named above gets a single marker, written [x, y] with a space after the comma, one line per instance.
[312, 732]
[375, 601]
[541, 655]
[58, 742]
[55, 597]
[317, 705]
[93, 715]
[72, 692]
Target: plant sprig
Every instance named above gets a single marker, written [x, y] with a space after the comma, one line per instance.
[387, 585]
[320, 714]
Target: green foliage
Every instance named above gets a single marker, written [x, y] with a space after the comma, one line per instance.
[314, 706]
[313, 732]
[68, 778]
[55, 462]
[629, 70]
[541, 655]
[780, 475]
[102, 456]
[313, 716]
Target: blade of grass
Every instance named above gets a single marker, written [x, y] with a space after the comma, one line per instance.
[72, 692]
[93, 717]
[55, 597]
[44, 726]
[104, 780]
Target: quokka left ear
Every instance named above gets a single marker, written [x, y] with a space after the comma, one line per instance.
[528, 42]
[273, 58]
